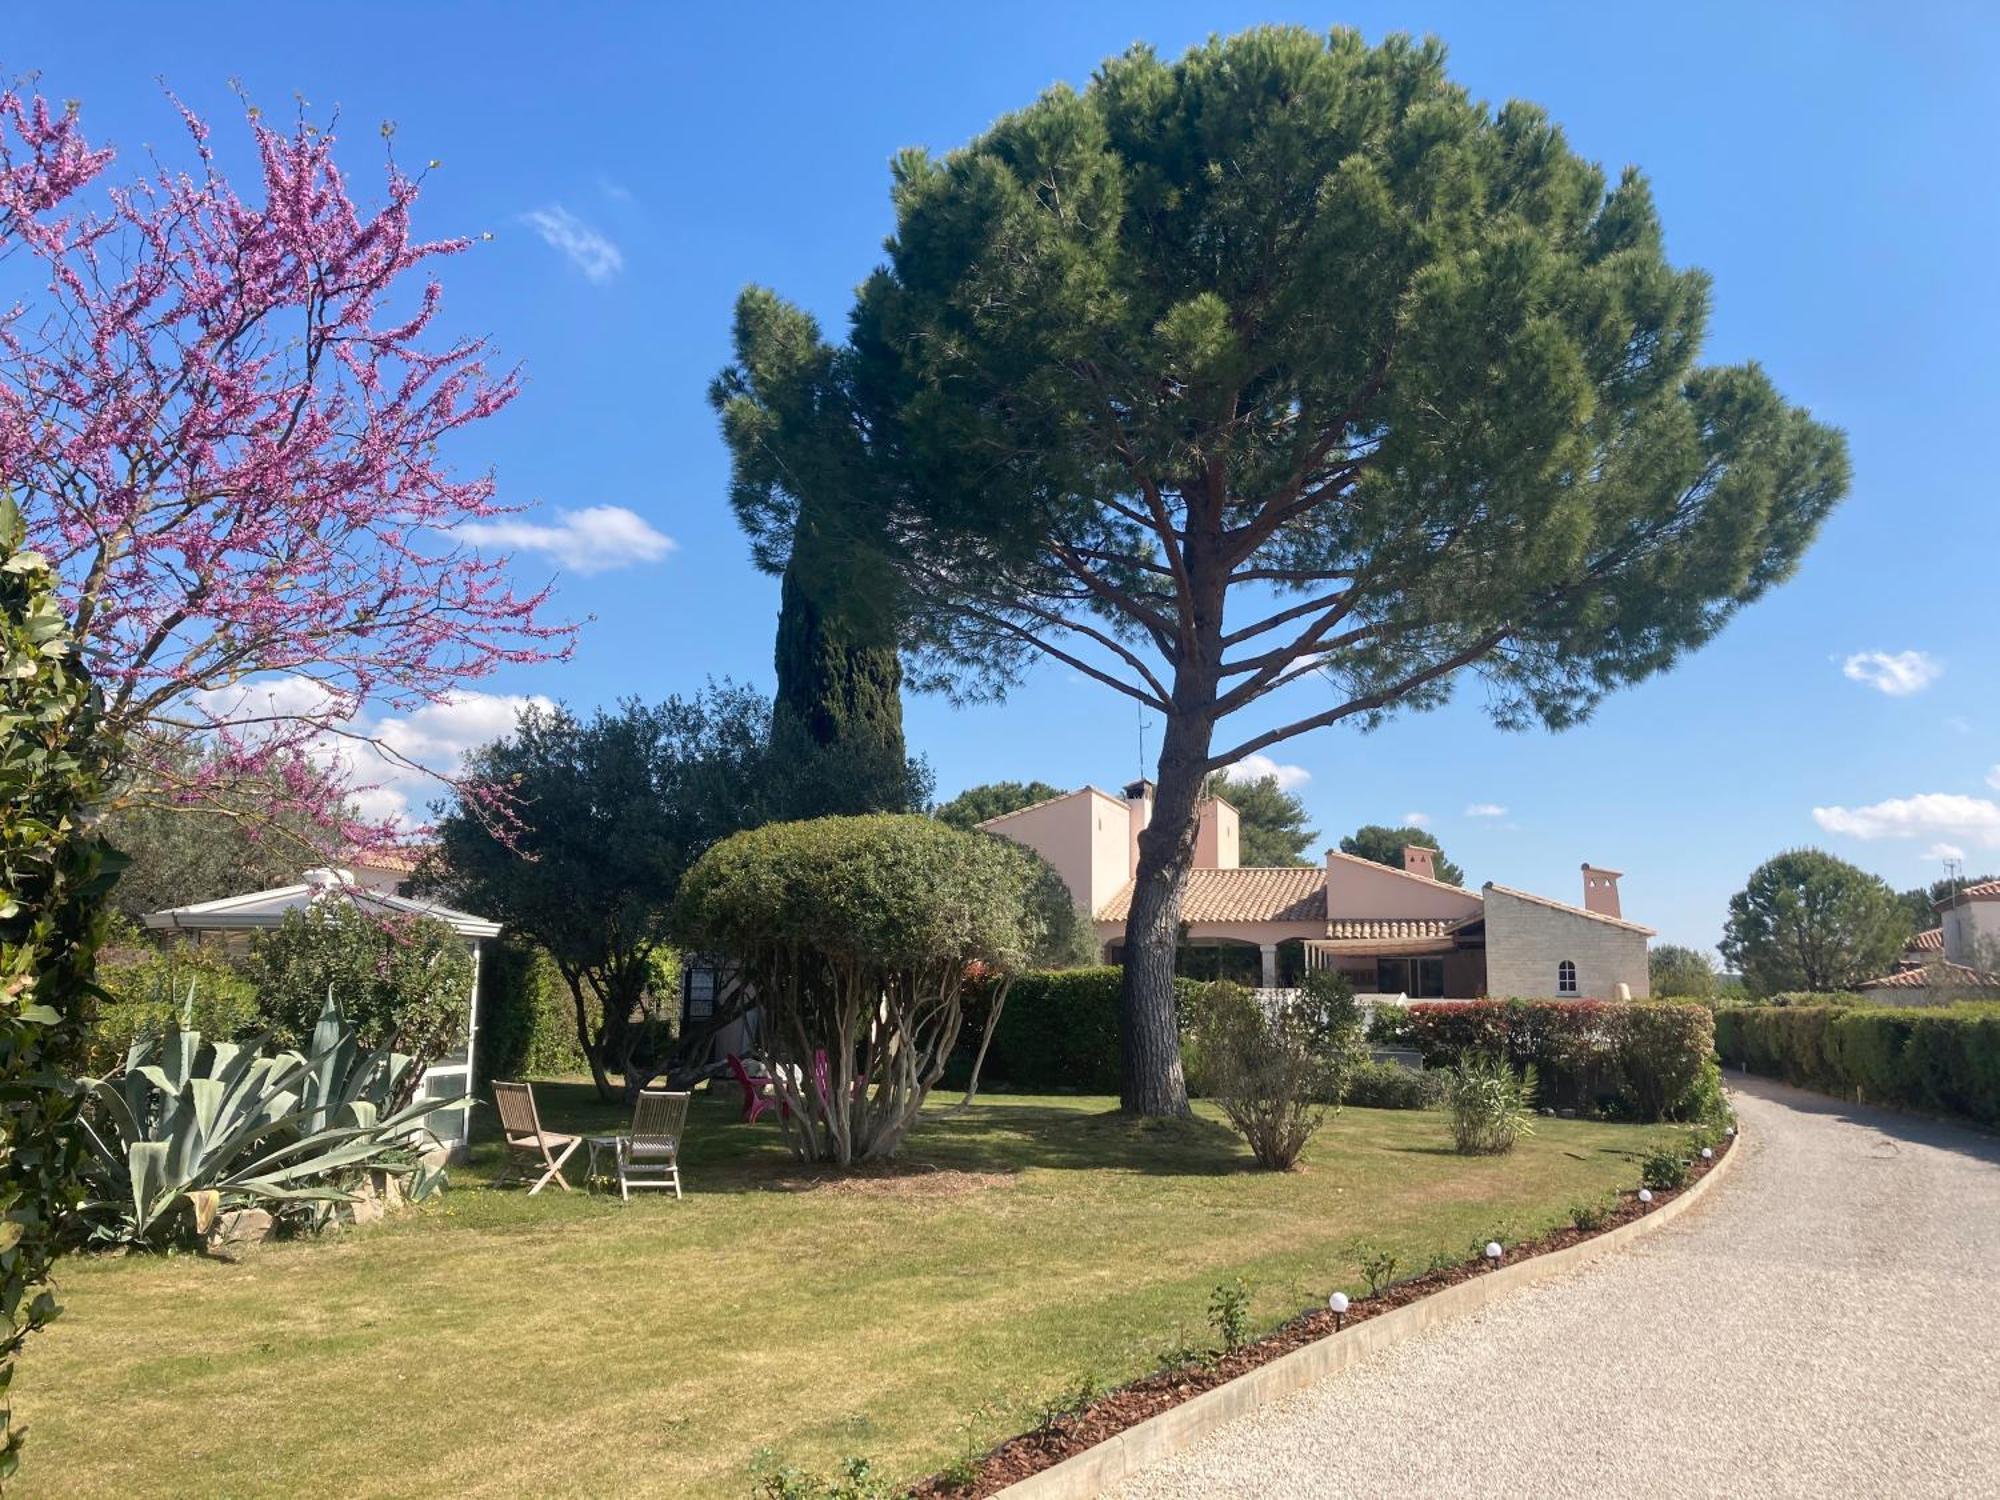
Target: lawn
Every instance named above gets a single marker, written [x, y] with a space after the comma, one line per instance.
[499, 1345]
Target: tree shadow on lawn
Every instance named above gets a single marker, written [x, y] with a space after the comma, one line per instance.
[997, 1135]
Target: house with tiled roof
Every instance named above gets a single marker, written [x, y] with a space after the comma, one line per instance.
[1953, 960]
[1393, 931]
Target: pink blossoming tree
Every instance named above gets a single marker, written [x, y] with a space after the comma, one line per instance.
[223, 417]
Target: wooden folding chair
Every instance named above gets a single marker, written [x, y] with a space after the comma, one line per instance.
[521, 1127]
[651, 1155]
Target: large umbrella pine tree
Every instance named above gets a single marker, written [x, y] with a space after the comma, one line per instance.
[1288, 378]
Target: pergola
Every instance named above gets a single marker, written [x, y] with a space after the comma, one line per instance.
[450, 1077]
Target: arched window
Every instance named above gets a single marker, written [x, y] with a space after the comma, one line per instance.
[1566, 978]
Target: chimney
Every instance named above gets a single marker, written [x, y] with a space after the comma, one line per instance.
[1419, 860]
[1600, 891]
[1139, 801]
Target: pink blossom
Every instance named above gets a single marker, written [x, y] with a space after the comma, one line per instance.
[223, 422]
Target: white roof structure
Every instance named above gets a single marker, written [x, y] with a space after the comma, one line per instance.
[262, 909]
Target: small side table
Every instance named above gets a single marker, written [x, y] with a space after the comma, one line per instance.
[603, 1144]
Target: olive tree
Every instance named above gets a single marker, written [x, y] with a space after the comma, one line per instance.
[1286, 365]
[856, 938]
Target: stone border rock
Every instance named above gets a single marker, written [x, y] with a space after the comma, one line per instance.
[1117, 1458]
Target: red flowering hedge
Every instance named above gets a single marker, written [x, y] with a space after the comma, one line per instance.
[1653, 1059]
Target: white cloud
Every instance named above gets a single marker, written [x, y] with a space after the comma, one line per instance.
[589, 251]
[1971, 820]
[1993, 777]
[596, 539]
[1898, 673]
[1417, 819]
[1257, 767]
[1943, 851]
[387, 761]
[1485, 810]
[1958, 723]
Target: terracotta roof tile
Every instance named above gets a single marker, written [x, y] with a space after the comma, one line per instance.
[1363, 928]
[1926, 942]
[1939, 975]
[1986, 890]
[1281, 894]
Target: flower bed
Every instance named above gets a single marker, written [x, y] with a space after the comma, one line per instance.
[1065, 1435]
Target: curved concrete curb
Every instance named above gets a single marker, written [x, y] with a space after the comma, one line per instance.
[1117, 1458]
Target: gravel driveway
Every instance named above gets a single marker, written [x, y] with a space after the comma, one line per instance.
[1826, 1323]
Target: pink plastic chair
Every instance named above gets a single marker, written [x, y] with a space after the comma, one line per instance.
[759, 1094]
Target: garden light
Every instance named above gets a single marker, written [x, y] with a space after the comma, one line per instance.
[1493, 1251]
[1645, 1195]
[1708, 1153]
[1338, 1303]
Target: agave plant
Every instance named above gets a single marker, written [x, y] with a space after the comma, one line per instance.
[187, 1129]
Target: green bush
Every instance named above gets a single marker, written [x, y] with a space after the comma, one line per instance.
[146, 988]
[1058, 1032]
[1276, 1071]
[1489, 1104]
[527, 1022]
[1640, 1057]
[1663, 1169]
[56, 877]
[1940, 1058]
[1388, 1085]
[403, 983]
[859, 937]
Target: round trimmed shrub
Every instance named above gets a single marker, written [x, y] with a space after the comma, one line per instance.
[857, 938]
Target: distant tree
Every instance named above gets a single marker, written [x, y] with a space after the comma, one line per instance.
[1809, 921]
[990, 799]
[196, 842]
[1285, 362]
[1921, 903]
[604, 816]
[1272, 824]
[591, 823]
[1675, 970]
[1384, 845]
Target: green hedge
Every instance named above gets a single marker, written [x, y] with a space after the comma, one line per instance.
[527, 1024]
[1058, 1033]
[1940, 1058]
[1649, 1058]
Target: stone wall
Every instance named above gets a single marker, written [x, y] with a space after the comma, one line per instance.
[1527, 941]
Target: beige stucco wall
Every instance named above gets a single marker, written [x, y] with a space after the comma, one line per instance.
[1217, 838]
[1972, 933]
[1525, 941]
[1085, 836]
[1362, 888]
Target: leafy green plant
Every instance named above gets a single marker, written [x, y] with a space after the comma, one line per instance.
[854, 1479]
[1378, 1264]
[1070, 1402]
[963, 1471]
[189, 1130]
[1229, 1312]
[1590, 1214]
[56, 875]
[402, 982]
[1489, 1104]
[1663, 1169]
[1442, 1259]
[1277, 1070]
[1183, 1352]
[1389, 1085]
[147, 988]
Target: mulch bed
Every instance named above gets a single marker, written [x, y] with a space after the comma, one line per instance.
[1067, 1435]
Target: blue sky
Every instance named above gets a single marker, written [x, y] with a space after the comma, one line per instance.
[1833, 167]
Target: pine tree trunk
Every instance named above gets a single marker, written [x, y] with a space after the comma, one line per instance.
[1149, 1037]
